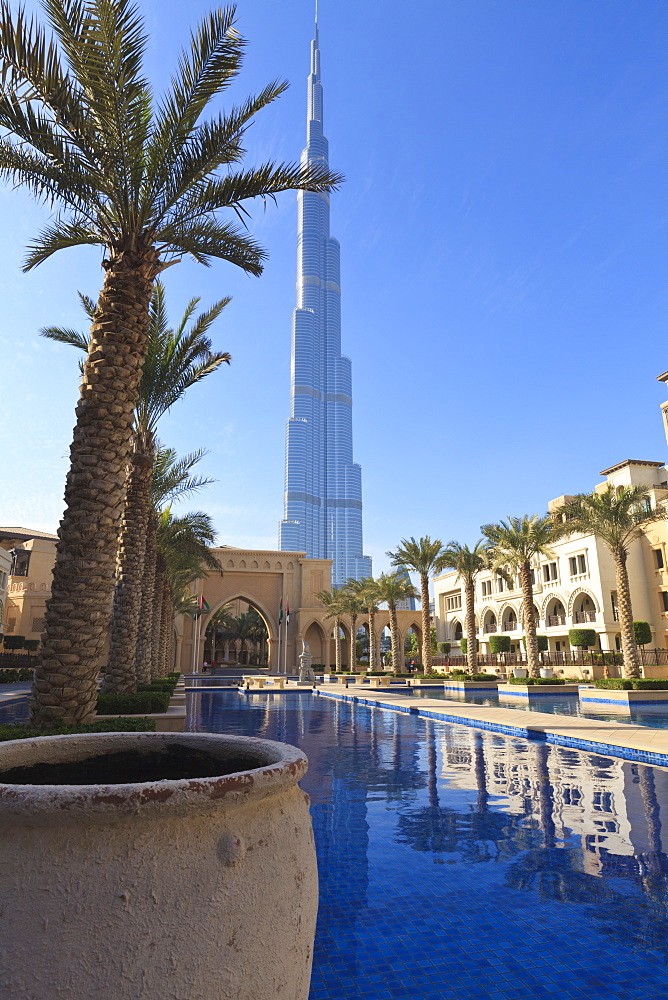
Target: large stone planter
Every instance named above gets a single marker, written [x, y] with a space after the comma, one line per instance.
[186, 888]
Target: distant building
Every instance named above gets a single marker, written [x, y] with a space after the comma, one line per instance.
[409, 604]
[5, 567]
[32, 555]
[323, 485]
[577, 586]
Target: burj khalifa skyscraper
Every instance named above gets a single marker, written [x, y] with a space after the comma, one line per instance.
[323, 486]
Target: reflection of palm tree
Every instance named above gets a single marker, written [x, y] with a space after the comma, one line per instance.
[442, 830]
[556, 874]
[545, 796]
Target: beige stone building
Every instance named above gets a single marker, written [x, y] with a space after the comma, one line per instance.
[31, 555]
[575, 588]
[261, 578]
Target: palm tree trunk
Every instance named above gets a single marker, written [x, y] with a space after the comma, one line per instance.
[78, 612]
[471, 637]
[143, 649]
[337, 644]
[121, 676]
[166, 620]
[426, 623]
[156, 617]
[373, 650]
[398, 665]
[353, 641]
[533, 661]
[629, 647]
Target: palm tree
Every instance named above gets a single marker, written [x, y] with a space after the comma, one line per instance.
[423, 556]
[618, 517]
[352, 606]
[333, 602]
[171, 480]
[175, 360]
[393, 588]
[366, 591]
[514, 545]
[147, 182]
[183, 556]
[468, 563]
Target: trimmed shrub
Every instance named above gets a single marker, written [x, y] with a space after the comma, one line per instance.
[159, 685]
[642, 633]
[444, 648]
[142, 703]
[582, 637]
[31, 644]
[499, 643]
[14, 642]
[464, 645]
[14, 731]
[543, 643]
[632, 684]
[536, 681]
[10, 676]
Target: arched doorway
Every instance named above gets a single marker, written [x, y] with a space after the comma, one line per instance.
[237, 633]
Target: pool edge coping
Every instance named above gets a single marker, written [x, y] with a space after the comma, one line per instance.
[524, 732]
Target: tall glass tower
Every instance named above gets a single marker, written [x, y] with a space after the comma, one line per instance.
[323, 486]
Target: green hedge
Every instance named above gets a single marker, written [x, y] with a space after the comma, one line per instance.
[642, 633]
[462, 675]
[9, 676]
[582, 637]
[499, 643]
[632, 684]
[443, 648]
[13, 731]
[14, 642]
[142, 703]
[536, 681]
[542, 640]
[161, 685]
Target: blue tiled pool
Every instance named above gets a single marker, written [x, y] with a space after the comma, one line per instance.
[458, 864]
[564, 704]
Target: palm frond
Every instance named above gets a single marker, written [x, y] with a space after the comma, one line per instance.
[64, 335]
[57, 237]
[209, 238]
[210, 65]
[210, 146]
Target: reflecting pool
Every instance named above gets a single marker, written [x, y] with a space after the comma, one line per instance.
[459, 864]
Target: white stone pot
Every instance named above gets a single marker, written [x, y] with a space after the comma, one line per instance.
[520, 672]
[195, 888]
[546, 672]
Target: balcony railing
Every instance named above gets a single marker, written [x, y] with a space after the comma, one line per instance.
[584, 616]
[510, 625]
[555, 620]
[489, 627]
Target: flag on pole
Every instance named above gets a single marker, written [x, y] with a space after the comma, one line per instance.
[203, 605]
[287, 614]
[280, 613]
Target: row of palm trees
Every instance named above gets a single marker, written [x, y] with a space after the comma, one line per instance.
[365, 596]
[159, 554]
[617, 516]
[149, 181]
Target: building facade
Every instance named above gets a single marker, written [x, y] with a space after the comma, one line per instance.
[323, 485]
[31, 555]
[576, 588]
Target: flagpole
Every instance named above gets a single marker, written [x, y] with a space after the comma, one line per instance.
[280, 622]
[285, 651]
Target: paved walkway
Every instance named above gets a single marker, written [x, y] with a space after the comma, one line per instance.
[616, 739]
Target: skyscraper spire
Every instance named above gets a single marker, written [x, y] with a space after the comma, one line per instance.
[323, 486]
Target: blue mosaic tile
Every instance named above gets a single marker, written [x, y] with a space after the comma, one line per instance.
[448, 868]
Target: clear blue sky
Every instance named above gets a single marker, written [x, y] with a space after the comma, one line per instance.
[503, 266]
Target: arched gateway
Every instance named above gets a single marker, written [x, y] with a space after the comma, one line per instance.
[263, 579]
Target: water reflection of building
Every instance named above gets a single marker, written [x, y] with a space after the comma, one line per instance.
[600, 802]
